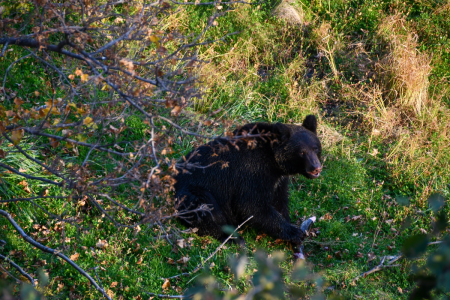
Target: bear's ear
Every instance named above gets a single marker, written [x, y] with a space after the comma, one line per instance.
[283, 131]
[310, 123]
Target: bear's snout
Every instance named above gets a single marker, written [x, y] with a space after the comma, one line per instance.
[316, 172]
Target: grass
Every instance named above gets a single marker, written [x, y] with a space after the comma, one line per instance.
[376, 72]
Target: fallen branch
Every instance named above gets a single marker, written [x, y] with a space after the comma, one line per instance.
[52, 251]
[187, 231]
[389, 264]
[170, 296]
[211, 255]
[21, 271]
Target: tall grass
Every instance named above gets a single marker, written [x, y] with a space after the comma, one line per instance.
[405, 69]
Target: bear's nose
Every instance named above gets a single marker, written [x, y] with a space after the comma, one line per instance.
[316, 171]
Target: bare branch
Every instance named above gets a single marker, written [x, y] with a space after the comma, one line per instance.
[32, 43]
[21, 271]
[31, 198]
[35, 160]
[30, 176]
[4, 49]
[389, 264]
[9, 68]
[200, 265]
[41, 247]
[170, 296]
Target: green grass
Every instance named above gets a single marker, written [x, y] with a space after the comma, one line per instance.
[354, 184]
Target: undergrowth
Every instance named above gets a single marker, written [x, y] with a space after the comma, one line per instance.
[375, 72]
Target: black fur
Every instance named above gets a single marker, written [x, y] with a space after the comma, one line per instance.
[249, 177]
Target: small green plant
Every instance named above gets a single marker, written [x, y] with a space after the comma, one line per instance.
[432, 278]
[268, 282]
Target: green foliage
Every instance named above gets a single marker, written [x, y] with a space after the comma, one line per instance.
[260, 75]
[432, 278]
[267, 282]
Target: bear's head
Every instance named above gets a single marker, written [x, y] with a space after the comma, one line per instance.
[298, 148]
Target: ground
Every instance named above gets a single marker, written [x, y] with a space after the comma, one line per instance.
[385, 131]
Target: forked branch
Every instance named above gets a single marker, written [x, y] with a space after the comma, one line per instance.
[43, 248]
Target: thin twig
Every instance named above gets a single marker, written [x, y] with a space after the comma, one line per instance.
[187, 231]
[389, 264]
[34, 160]
[9, 67]
[4, 49]
[170, 296]
[212, 254]
[10, 275]
[21, 271]
[52, 251]
[165, 233]
[30, 176]
[31, 198]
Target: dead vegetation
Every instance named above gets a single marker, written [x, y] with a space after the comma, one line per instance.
[390, 94]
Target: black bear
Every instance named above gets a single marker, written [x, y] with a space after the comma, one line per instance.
[242, 177]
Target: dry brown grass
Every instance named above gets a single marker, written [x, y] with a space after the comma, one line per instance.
[398, 99]
[240, 69]
[328, 136]
[328, 44]
[400, 111]
[405, 70]
[302, 97]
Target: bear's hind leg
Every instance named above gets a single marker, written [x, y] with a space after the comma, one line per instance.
[207, 222]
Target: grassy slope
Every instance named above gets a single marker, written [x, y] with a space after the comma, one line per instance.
[260, 75]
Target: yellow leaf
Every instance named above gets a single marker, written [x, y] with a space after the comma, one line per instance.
[54, 142]
[18, 102]
[166, 284]
[176, 111]
[155, 39]
[81, 111]
[78, 72]
[110, 293]
[113, 285]
[36, 93]
[81, 138]
[44, 111]
[16, 136]
[87, 121]
[75, 256]
[53, 111]
[50, 103]
[84, 77]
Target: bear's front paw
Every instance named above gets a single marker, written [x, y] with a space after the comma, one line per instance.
[298, 255]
